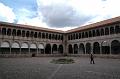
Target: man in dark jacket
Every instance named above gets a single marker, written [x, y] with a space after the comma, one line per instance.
[92, 59]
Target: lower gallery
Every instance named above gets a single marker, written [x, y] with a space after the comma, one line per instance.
[101, 39]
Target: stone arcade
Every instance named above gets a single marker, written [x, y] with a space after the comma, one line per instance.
[101, 38]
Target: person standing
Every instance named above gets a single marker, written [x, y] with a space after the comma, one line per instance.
[92, 59]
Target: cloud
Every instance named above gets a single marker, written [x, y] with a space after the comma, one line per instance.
[6, 13]
[60, 14]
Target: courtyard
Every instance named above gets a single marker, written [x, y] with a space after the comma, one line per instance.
[41, 68]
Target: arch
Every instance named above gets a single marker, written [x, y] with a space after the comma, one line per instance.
[48, 49]
[14, 32]
[97, 32]
[39, 35]
[115, 47]
[79, 35]
[60, 49]
[5, 44]
[18, 32]
[5, 47]
[90, 34]
[43, 35]
[33, 48]
[105, 47]
[75, 49]
[81, 48]
[112, 30]
[35, 35]
[86, 34]
[88, 48]
[3, 31]
[41, 48]
[117, 29]
[102, 32]
[24, 48]
[46, 36]
[15, 48]
[31, 34]
[9, 32]
[83, 35]
[23, 33]
[49, 36]
[76, 35]
[54, 49]
[70, 49]
[27, 34]
[93, 33]
[96, 48]
[106, 31]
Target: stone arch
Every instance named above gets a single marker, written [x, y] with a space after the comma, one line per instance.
[75, 49]
[70, 49]
[96, 48]
[35, 34]
[76, 35]
[117, 29]
[93, 33]
[60, 49]
[41, 48]
[8, 31]
[5, 47]
[105, 47]
[79, 35]
[24, 48]
[112, 30]
[81, 48]
[106, 31]
[50, 36]
[14, 32]
[27, 34]
[54, 49]
[15, 48]
[3, 31]
[86, 34]
[33, 48]
[23, 33]
[39, 35]
[102, 32]
[88, 48]
[115, 47]
[46, 36]
[31, 34]
[90, 34]
[97, 32]
[18, 32]
[48, 49]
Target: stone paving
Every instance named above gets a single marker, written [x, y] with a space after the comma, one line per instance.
[41, 68]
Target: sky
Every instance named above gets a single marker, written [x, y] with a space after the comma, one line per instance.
[58, 14]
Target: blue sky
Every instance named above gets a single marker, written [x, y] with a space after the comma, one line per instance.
[58, 14]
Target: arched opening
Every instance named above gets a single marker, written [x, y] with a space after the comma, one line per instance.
[46, 35]
[83, 35]
[60, 49]
[33, 49]
[9, 32]
[102, 32]
[70, 49]
[93, 33]
[3, 31]
[15, 48]
[27, 34]
[75, 49]
[24, 48]
[14, 32]
[39, 35]
[40, 49]
[31, 34]
[86, 34]
[76, 35]
[49, 36]
[54, 49]
[23, 33]
[68, 37]
[112, 30]
[96, 48]
[81, 49]
[90, 34]
[5, 48]
[117, 29]
[79, 35]
[53, 36]
[18, 32]
[105, 47]
[115, 47]
[35, 35]
[106, 31]
[88, 48]
[48, 49]
[97, 32]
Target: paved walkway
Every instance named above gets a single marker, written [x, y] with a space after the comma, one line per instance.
[41, 68]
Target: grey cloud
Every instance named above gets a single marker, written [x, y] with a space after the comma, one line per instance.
[61, 15]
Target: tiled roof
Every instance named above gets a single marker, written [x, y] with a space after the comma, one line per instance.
[97, 24]
[94, 25]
